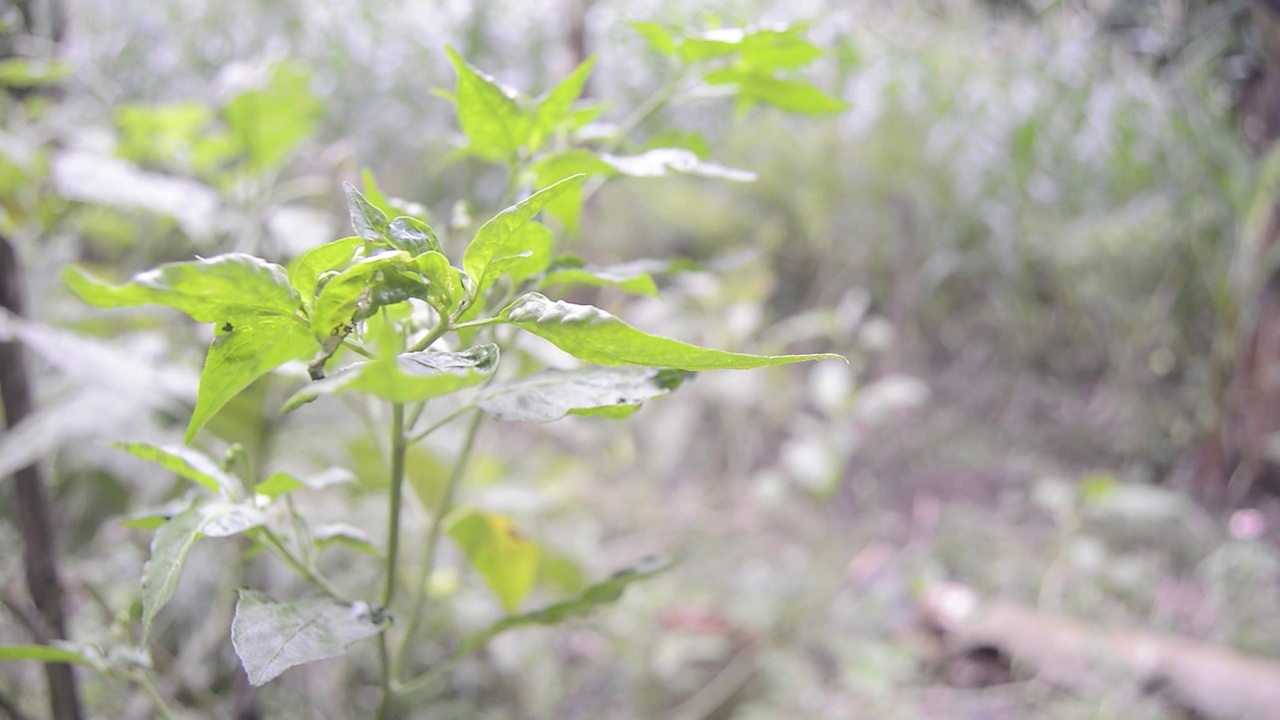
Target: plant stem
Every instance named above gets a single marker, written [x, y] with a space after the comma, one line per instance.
[433, 538]
[436, 333]
[398, 449]
[439, 424]
[297, 565]
[162, 708]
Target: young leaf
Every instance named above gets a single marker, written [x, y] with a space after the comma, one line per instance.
[499, 237]
[553, 394]
[187, 463]
[42, 653]
[169, 550]
[278, 484]
[408, 377]
[209, 290]
[352, 294]
[591, 334]
[444, 288]
[769, 51]
[603, 593]
[245, 347]
[271, 637]
[506, 560]
[553, 109]
[794, 96]
[537, 242]
[413, 236]
[368, 221]
[306, 269]
[343, 534]
[663, 161]
[488, 112]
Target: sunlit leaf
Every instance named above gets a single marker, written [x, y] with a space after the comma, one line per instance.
[413, 236]
[306, 269]
[553, 394]
[567, 206]
[189, 464]
[271, 637]
[488, 112]
[795, 96]
[278, 484]
[374, 194]
[245, 347]
[359, 290]
[632, 277]
[664, 161]
[208, 290]
[591, 334]
[500, 237]
[161, 133]
[408, 377]
[772, 50]
[506, 560]
[20, 72]
[658, 37]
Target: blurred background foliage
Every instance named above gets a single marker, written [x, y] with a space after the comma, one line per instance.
[1025, 233]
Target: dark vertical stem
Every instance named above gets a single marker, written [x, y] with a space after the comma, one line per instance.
[31, 500]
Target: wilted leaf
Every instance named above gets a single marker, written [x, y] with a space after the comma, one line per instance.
[591, 334]
[271, 637]
[506, 560]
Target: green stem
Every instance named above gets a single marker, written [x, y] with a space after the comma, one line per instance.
[162, 708]
[398, 449]
[439, 424]
[299, 567]
[477, 323]
[433, 538]
[436, 333]
[357, 349]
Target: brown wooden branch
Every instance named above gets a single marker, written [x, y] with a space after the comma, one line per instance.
[31, 499]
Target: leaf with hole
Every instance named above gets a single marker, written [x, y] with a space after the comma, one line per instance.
[270, 637]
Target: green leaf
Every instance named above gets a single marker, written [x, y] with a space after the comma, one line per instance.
[161, 133]
[369, 222]
[567, 207]
[537, 242]
[500, 237]
[306, 269]
[413, 236]
[633, 277]
[408, 377]
[20, 72]
[246, 347]
[343, 534]
[271, 637]
[554, 108]
[42, 653]
[169, 550]
[710, 44]
[488, 112]
[603, 593]
[658, 37]
[591, 334]
[794, 96]
[663, 161]
[354, 293]
[270, 121]
[208, 290]
[278, 484]
[506, 560]
[189, 464]
[444, 290]
[553, 394]
[769, 51]
[224, 519]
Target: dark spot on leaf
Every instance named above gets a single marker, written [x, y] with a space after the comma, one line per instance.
[228, 327]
